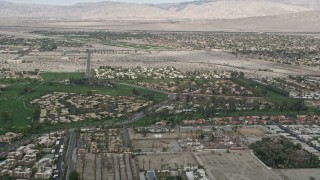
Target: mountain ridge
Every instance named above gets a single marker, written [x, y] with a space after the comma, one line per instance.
[105, 10]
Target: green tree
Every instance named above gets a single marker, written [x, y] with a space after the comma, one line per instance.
[188, 98]
[36, 114]
[264, 92]
[135, 92]
[74, 175]
[5, 117]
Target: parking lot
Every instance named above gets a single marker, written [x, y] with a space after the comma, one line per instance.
[58, 159]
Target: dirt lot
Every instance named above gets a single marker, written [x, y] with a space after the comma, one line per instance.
[107, 167]
[156, 145]
[251, 132]
[299, 174]
[168, 160]
[234, 166]
[86, 166]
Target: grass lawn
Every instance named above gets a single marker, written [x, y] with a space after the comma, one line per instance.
[19, 116]
[272, 96]
[278, 98]
[47, 76]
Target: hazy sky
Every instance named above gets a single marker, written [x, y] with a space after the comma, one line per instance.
[69, 2]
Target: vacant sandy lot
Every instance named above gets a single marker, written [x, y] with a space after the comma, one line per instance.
[251, 132]
[234, 166]
[86, 166]
[156, 145]
[183, 60]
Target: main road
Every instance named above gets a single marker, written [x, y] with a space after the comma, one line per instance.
[69, 155]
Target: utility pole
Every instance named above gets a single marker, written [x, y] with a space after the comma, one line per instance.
[88, 69]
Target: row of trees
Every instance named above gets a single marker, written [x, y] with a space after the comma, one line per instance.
[282, 153]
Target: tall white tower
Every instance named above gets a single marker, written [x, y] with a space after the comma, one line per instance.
[88, 70]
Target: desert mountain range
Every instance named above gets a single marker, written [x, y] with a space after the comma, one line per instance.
[214, 9]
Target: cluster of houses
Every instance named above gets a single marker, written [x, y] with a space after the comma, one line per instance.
[227, 87]
[91, 141]
[120, 73]
[195, 173]
[22, 163]
[71, 107]
[101, 141]
[306, 135]
[115, 142]
[256, 120]
[10, 74]
[156, 128]
[296, 50]
[9, 137]
[194, 122]
[138, 72]
[163, 86]
[263, 120]
[13, 50]
[309, 133]
[217, 104]
[307, 89]
[211, 75]
[219, 87]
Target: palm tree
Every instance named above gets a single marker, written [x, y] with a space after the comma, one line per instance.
[176, 165]
[161, 163]
[143, 161]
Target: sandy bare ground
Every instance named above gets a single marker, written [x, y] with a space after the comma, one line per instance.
[202, 60]
[167, 161]
[156, 145]
[297, 22]
[86, 167]
[251, 132]
[299, 174]
[183, 60]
